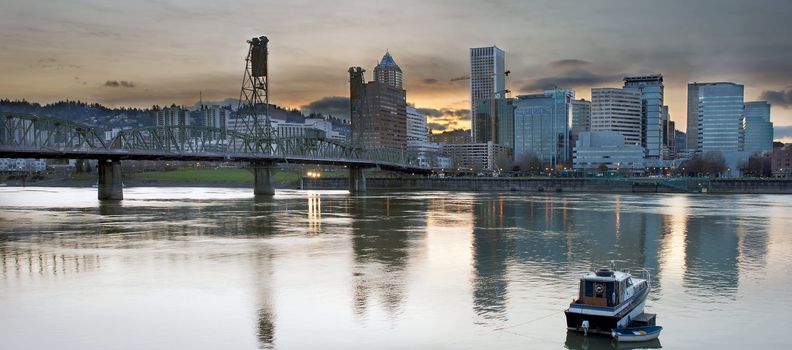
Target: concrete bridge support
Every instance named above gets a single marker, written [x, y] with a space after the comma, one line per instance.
[357, 180]
[110, 185]
[262, 174]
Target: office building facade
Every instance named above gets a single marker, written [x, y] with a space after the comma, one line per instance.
[503, 110]
[476, 157]
[214, 116]
[581, 117]
[691, 136]
[378, 109]
[416, 125]
[617, 110]
[541, 126]
[487, 82]
[607, 147]
[652, 116]
[719, 122]
[172, 116]
[757, 128]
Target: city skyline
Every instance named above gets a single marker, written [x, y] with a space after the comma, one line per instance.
[117, 54]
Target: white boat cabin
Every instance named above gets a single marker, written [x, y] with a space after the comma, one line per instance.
[605, 288]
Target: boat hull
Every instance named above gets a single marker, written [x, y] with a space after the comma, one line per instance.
[639, 334]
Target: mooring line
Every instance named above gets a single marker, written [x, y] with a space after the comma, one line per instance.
[531, 321]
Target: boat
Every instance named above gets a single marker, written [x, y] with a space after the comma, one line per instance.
[578, 341]
[609, 300]
[636, 334]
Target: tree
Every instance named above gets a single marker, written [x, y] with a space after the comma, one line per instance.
[758, 165]
[603, 168]
[529, 163]
[711, 163]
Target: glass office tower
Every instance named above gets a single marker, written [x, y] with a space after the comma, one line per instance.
[652, 131]
[541, 125]
[487, 82]
[757, 128]
[720, 109]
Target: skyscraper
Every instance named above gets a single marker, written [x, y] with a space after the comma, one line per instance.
[503, 121]
[757, 128]
[651, 88]
[487, 82]
[388, 72]
[581, 117]
[617, 110]
[378, 109]
[541, 125]
[416, 125]
[719, 124]
[691, 136]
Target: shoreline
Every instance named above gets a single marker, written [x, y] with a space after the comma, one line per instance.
[531, 185]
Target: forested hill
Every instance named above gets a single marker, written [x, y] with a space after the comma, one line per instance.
[104, 118]
[92, 114]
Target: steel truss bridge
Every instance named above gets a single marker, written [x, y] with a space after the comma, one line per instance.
[34, 136]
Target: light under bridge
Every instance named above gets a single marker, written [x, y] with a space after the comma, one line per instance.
[41, 137]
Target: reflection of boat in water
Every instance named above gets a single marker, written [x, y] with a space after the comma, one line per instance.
[577, 341]
[608, 300]
[636, 334]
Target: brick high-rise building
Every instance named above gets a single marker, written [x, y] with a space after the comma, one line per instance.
[378, 109]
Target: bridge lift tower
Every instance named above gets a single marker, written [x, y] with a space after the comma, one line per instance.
[254, 109]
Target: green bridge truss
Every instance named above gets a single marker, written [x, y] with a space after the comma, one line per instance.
[34, 136]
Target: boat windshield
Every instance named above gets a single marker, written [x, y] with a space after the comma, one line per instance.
[599, 293]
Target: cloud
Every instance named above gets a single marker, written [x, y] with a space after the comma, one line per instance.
[444, 112]
[782, 98]
[782, 132]
[437, 126]
[430, 81]
[337, 106]
[119, 83]
[430, 112]
[569, 63]
[572, 78]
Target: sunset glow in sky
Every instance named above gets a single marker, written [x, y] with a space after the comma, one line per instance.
[140, 53]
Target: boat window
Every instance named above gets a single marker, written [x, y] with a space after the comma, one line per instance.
[589, 289]
[629, 282]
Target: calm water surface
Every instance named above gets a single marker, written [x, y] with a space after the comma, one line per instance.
[215, 268]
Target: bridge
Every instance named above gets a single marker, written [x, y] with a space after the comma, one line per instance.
[41, 137]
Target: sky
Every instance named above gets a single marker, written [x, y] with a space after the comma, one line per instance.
[146, 52]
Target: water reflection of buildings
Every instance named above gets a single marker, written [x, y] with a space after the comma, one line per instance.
[266, 312]
[492, 247]
[382, 231]
[570, 234]
[34, 264]
[551, 235]
[715, 248]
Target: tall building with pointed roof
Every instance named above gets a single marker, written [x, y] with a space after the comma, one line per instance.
[378, 108]
[388, 72]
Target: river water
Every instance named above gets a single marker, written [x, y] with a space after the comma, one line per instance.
[171, 268]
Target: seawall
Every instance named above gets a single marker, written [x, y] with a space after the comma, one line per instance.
[636, 185]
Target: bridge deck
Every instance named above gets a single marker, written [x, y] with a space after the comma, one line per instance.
[43, 153]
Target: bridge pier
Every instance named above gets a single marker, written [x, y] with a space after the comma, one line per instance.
[357, 180]
[262, 183]
[110, 185]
